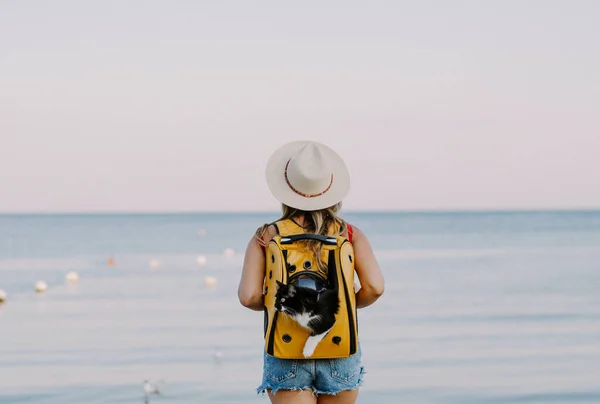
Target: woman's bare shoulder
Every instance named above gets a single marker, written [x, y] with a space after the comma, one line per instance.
[266, 232]
[270, 232]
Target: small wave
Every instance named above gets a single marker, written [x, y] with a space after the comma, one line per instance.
[426, 254]
[43, 263]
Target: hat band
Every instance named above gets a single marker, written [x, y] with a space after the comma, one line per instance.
[302, 193]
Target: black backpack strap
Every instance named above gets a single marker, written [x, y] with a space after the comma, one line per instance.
[276, 228]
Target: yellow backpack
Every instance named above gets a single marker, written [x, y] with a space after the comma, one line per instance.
[287, 260]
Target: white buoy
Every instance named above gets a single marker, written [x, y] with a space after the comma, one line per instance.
[210, 281]
[72, 277]
[218, 355]
[149, 388]
[2, 296]
[202, 232]
[154, 264]
[40, 286]
[201, 260]
[229, 252]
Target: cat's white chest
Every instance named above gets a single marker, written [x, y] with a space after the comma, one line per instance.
[304, 318]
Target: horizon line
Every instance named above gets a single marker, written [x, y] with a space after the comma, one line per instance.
[258, 212]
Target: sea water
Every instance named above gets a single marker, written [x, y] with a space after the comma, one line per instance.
[479, 307]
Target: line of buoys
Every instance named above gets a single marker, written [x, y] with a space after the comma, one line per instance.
[41, 286]
[73, 277]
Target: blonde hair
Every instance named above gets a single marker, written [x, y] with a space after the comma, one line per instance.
[320, 221]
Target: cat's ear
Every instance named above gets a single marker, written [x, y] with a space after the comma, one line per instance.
[279, 284]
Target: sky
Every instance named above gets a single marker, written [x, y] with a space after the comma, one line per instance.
[176, 105]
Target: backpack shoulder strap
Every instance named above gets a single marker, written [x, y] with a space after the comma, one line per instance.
[274, 224]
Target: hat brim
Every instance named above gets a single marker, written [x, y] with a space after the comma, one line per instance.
[284, 194]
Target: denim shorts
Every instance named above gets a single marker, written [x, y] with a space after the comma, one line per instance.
[323, 376]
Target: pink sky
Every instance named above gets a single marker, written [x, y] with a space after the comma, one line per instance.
[160, 106]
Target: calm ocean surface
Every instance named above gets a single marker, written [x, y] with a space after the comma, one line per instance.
[479, 308]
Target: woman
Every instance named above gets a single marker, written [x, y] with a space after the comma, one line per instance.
[310, 180]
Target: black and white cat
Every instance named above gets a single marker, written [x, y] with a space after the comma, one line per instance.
[311, 309]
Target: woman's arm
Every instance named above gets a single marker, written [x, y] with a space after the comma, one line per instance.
[367, 269]
[250, 289]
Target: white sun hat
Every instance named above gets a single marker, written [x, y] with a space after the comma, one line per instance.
[307, 175]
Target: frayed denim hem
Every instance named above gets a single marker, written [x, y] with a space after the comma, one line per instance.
[262, 390]
[335, 392]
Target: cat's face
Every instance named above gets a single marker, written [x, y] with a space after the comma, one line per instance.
[286, 299]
